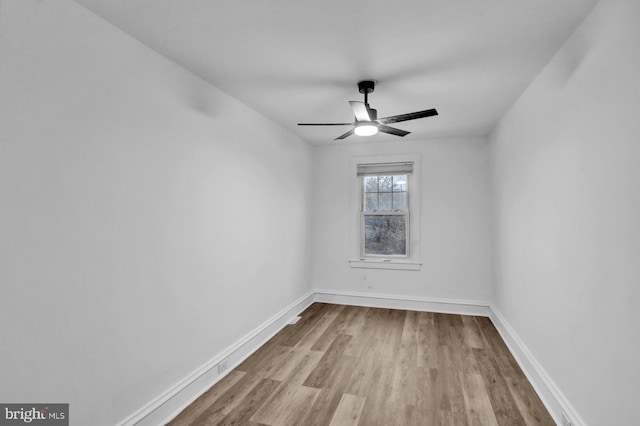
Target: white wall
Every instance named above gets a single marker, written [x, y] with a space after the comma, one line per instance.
[566, 177]
[455, 222]
[147, 219]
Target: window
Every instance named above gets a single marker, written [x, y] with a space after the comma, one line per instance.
[385, 210]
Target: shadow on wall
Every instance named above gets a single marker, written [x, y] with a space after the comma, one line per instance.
[201, 101]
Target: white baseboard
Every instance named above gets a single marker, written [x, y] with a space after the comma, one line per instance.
[551, 396]
[169, 404]
[412, 303]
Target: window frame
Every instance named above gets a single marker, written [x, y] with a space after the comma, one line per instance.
[409, 261]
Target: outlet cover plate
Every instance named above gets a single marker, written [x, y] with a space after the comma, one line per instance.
[224, 364]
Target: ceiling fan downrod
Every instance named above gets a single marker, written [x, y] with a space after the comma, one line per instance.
[366, 87]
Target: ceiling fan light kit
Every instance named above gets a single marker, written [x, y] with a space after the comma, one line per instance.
[365, 129]
[366, 118]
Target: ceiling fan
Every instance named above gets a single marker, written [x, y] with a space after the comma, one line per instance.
[367, 122]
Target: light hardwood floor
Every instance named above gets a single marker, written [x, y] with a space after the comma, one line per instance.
[348, 365]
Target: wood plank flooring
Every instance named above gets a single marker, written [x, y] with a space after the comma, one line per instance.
[347, 365]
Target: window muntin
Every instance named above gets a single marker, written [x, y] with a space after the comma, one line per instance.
[385, 193]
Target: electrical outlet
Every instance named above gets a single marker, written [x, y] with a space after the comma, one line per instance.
[222, 367]
[565, 419]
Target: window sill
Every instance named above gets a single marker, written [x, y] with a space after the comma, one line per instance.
[402, 265]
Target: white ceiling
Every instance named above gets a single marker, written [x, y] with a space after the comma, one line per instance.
[300, 60]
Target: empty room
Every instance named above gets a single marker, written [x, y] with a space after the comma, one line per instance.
[319, 212]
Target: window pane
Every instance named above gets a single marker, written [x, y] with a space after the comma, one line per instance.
[399, 183]
[385, 235]
[370, 202]
[385, 193]
[386, 183]
[385, 200]
[371, 184]
[399, 201]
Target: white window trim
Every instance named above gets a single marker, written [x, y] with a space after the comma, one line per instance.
[412, 261]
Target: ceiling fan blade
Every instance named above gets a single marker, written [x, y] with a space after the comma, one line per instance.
[325, 124]
[345, 135]
[409, 116]
[360, 111]
[392, 130]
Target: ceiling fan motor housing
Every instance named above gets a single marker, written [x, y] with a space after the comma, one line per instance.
[366, 86]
